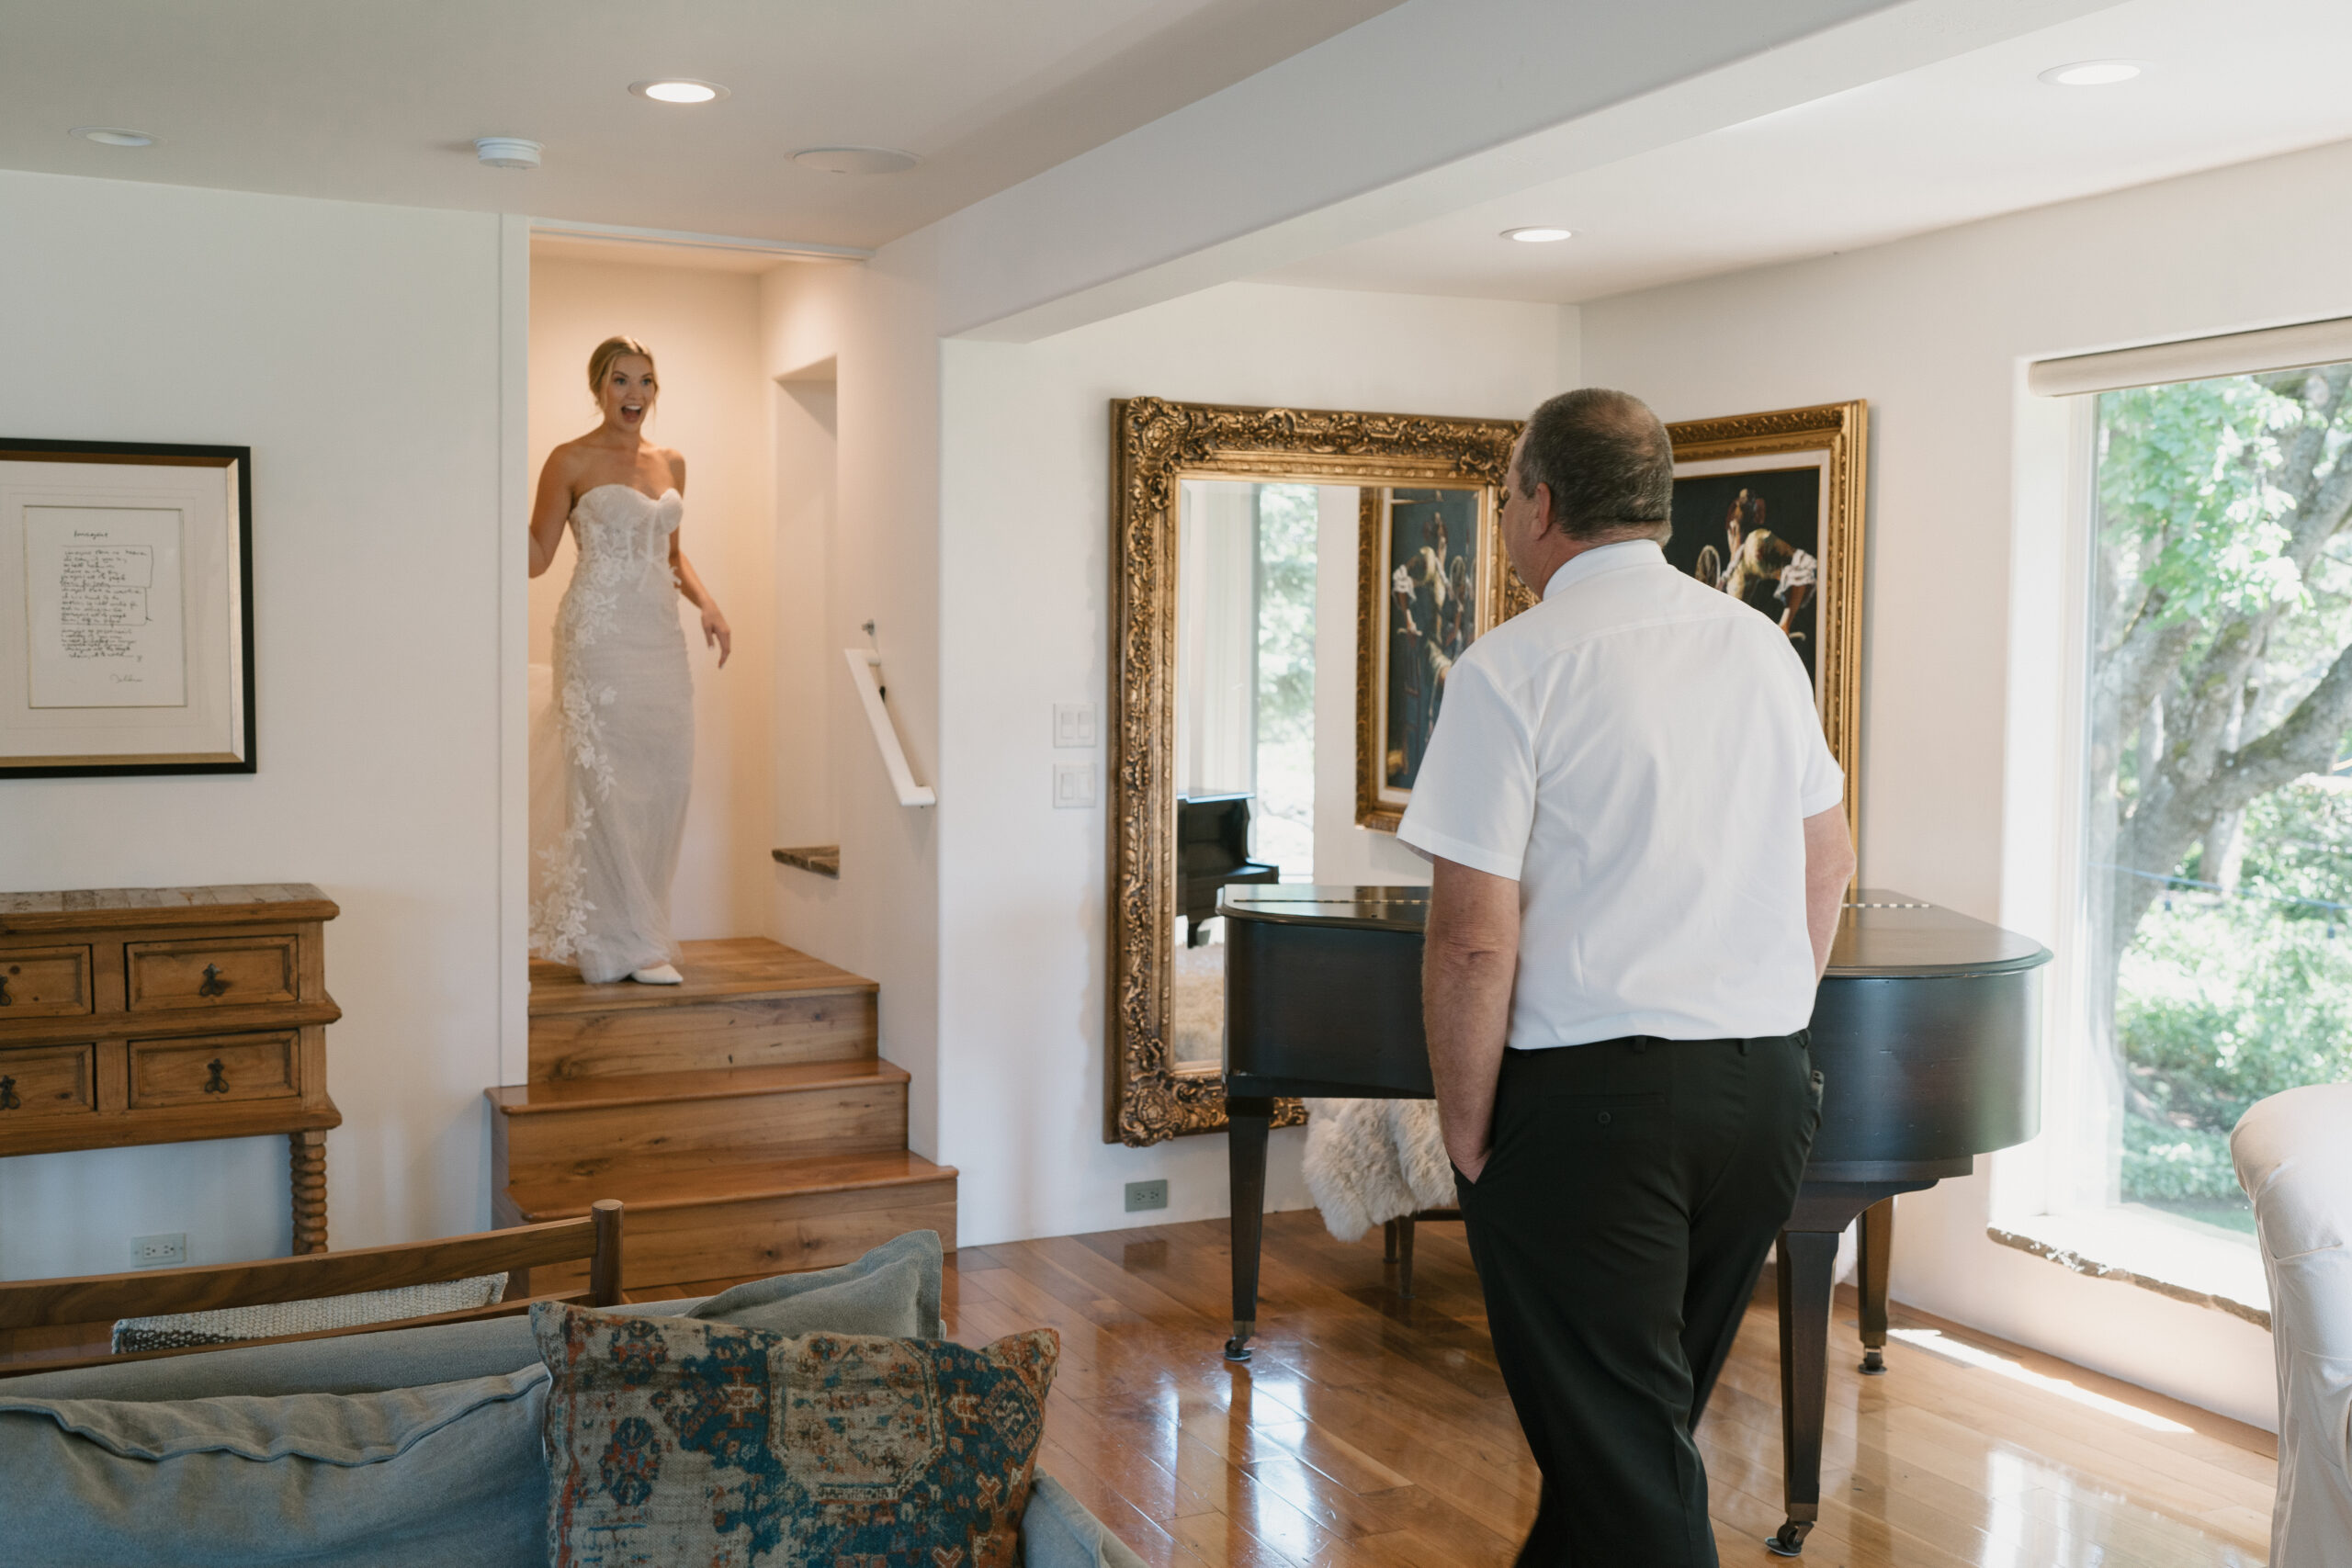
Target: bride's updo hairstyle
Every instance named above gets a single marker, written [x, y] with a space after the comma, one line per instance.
[613, 348]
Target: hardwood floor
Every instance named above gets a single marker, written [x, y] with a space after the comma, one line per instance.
[1374, 1431]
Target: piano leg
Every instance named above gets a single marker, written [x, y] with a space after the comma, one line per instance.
[1808, 1262]
[1405, 1256]
[1248, 1123]
[1876, 1244]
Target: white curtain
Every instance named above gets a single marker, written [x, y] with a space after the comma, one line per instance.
[1216, 637]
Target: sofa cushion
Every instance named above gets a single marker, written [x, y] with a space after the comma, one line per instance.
[893, 1289]
[407, 1476]
[673, 1441]
[1057, 1532]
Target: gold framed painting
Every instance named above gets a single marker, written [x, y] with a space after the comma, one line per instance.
[1431, 578]
[126, 609]
[1768, 507]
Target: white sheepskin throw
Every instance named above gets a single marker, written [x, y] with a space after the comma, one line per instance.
[1370, 1161]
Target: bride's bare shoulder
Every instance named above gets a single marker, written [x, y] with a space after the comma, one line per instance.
[675, 461]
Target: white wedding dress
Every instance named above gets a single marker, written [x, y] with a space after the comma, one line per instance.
[611, 747]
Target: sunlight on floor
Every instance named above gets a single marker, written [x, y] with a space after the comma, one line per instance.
[1985, 1361]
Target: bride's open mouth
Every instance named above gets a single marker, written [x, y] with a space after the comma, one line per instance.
[632, 410]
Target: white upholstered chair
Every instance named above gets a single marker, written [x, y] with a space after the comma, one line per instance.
[2294, 1158]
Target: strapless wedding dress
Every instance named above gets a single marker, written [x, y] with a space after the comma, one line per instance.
[612, 750]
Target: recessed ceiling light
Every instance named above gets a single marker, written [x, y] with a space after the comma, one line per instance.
[1538, 236]
[678, 90]
[2092, 74]
[857, 160]
[507, 151]
[113, 136]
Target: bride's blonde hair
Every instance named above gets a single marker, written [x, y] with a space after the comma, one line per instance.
[613, 348]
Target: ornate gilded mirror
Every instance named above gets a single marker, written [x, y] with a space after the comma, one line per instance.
[1239, 745]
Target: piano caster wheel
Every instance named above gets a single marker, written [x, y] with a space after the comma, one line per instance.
[1237, 1350]
[1873, 1364]
[1789, 1541]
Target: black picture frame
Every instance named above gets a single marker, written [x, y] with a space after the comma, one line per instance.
[38, 449]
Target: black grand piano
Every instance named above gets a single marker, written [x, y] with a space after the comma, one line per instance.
[1926, 1029]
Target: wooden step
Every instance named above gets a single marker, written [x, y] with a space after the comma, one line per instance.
[691, 1222]
[746, 1002]
[710, 1118]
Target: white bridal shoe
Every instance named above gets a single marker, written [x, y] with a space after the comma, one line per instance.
[658, 975]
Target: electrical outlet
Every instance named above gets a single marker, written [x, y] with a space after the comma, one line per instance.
[1146, 1195]
[159, 1251]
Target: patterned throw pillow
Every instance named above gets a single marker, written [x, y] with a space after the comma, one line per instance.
[673, 1440]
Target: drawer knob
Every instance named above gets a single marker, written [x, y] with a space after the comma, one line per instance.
[214, 986]
[218, 1082]
[8, 1098]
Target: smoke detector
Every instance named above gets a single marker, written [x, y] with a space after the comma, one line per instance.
[507, 151]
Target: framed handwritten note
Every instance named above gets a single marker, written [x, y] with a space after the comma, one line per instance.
[126, 609]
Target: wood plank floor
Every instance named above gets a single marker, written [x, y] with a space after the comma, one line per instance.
[1370, 1430]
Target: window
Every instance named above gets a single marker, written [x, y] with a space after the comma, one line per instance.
[2216, 958]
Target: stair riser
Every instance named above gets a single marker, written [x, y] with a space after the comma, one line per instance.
[853, 1119]
[766, 1235]
[744, 1032]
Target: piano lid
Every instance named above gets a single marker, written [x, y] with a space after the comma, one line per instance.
[1323, 904]
[1883, 933]
[1880, 933]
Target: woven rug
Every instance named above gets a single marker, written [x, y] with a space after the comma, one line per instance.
[228, 1326]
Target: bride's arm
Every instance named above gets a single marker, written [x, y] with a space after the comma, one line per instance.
[715, 633]
[549, 508]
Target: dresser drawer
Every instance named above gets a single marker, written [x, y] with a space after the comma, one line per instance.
[45, 1081]
[221, 1070]
[217, 972]
[43, 982]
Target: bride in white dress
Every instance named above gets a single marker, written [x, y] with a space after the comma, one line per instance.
[612, 753]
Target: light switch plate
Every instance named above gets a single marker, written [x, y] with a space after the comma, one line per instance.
[1073, 785]
[1073, 724]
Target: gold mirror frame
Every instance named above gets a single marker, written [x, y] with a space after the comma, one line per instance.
[1154, 444]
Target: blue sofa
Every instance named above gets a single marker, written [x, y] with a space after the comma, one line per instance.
[408, 1446]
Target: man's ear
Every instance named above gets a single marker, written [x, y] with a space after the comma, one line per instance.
[1544, 521]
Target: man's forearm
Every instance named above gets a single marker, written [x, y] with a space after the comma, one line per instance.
[1466, 1005]
[1470, 957]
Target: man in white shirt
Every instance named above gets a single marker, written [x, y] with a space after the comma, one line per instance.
[1640, 853]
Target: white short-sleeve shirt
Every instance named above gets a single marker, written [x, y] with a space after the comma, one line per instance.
[1639, 752]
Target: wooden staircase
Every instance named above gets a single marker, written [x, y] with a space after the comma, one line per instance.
[743, 1117]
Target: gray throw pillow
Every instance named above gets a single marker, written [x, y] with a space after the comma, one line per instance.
[429, 1475]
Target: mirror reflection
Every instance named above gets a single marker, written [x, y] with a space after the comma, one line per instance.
[1251, 561]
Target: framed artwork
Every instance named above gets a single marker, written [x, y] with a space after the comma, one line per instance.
[126, 609]
[1768, 507]
[1431, 579]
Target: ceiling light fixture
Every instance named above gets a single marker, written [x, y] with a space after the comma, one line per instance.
[2092, 74]
[507, 151]
[113, 136]
[1538, 236]
[678, 90]
[857, 160]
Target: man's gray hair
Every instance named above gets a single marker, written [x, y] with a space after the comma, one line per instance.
[1608, 462]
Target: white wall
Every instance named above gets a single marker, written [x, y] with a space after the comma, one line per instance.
[1024, 569]
[859, 544]
[702, 327]
[1958, 802]
[355, 350]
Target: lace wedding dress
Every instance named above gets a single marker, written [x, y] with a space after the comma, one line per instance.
[612, 746]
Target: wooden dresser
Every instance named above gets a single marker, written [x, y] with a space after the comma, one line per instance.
[163, 1015]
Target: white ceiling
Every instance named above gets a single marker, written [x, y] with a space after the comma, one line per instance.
[380, 102]
[1966, 138]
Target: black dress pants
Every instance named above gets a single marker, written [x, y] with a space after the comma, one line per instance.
[1635, 1190]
